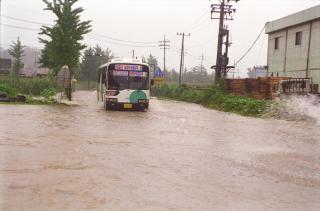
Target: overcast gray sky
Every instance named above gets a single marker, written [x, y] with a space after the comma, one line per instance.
[149, 20]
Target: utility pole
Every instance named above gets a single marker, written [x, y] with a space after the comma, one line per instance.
[35, 58]
[225, 11]
[133, 54]
[0, 26]
[165, 45]
[226, 52]
[182, 55]
[201, 65]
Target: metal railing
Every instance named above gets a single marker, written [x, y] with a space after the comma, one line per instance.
[296, 86]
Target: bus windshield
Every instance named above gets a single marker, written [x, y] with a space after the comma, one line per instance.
[128, 77]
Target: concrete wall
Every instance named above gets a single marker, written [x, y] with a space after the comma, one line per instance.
[303, 16]
[276, 57]
[292, 60]
[314, 66]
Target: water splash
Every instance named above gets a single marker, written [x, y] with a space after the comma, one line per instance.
[308, 105]
[298, 107]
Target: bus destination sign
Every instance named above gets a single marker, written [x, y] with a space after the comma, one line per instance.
[128, 67]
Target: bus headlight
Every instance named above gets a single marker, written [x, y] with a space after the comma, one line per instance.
[112, 92]
[143, 101]
[113, 100]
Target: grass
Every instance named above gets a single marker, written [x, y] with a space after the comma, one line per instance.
[9, 90]
[213, 97]
[29, 87]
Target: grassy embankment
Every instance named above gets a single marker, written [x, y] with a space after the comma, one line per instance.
[213, 97]
[43, 88]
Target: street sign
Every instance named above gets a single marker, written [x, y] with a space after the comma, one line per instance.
[158, 73]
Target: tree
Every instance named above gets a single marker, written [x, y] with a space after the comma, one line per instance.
[92, 59]
[171, 76]
[63, 46]
[152, 60]
[16, 50]
[195, 76]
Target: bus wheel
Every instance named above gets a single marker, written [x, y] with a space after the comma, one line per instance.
[105, 106]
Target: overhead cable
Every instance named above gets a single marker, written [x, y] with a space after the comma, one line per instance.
[247, 52]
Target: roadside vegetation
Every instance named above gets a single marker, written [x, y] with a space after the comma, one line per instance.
[213, 97]
[63, 41]
[35, 90]
[14, 88]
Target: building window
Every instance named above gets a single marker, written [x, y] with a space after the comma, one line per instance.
[298, 38]
[276, 43]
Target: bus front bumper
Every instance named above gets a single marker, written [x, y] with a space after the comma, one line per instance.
[127, 106]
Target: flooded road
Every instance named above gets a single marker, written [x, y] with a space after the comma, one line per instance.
[177, 156]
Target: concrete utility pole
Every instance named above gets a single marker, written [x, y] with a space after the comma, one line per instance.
[165, 45]
[133, 54]
[225, 11]
[182, 55]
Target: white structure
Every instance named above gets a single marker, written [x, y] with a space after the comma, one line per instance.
[294, 45]
[257, 71]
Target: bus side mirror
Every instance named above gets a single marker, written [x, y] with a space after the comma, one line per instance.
[152, 82]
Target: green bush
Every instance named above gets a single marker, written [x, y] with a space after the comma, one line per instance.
[28, 86]
[10, 91]
[213, 97]
[50, 92]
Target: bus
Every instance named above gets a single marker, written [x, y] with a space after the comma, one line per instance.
[124, 84]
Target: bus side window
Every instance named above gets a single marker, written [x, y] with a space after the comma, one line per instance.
[104, 77]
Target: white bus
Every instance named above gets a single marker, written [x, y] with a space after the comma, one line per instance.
[124, 84]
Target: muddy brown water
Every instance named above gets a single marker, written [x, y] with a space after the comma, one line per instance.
[177, 156]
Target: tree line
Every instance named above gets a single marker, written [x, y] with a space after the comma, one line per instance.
[63, 45]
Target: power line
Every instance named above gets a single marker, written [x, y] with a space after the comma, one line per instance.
[110, 42]
[165, 44]
[29, 46]
[122, 44]
[201, 44]
[246, 53]
[19, 27]
[201, 27]
[120, 40]
[260, 50]
[198, 20]
[96, 34]
[23, 20]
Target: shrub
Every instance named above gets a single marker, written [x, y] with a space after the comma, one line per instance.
[213, 97]
[28, 86]
[50, 92]
[10, 91]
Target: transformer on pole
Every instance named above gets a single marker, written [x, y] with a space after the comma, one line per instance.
[225, 11]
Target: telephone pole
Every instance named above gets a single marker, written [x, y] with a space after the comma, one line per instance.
[133, 54]
[0, 26]
[165, 45]
[182, 55]
[225, 11]
[201, 65]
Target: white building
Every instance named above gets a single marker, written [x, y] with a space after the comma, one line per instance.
[294, 45]
[257, 71]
